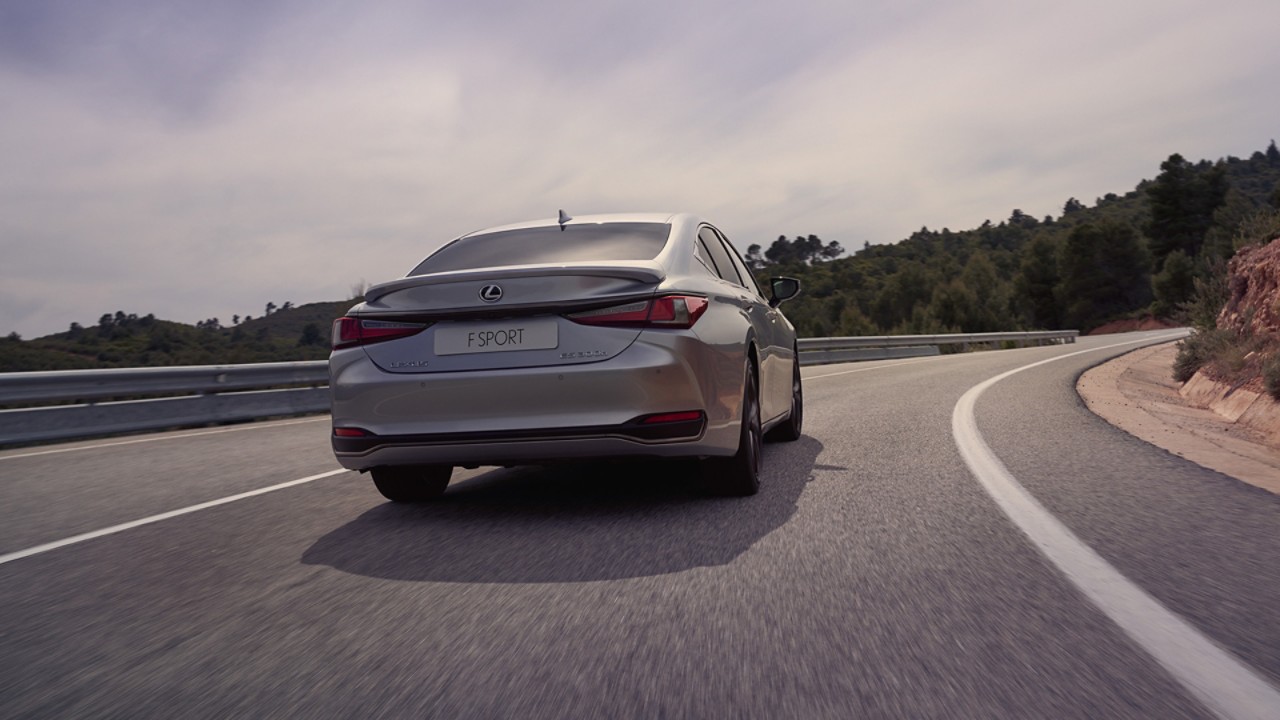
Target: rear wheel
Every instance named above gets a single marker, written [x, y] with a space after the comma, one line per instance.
[790, 429]
[411, 483]
[739, 475]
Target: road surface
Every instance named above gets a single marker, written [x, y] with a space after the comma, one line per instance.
[883, 571]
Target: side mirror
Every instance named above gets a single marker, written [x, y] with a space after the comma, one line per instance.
[783, 289]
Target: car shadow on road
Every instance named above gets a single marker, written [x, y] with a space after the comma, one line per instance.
[569, 524]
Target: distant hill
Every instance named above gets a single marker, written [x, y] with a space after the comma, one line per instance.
[127, 340]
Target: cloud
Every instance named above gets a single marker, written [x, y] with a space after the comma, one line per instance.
[193, 161]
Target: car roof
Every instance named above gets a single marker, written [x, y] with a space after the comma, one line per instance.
[675, 219]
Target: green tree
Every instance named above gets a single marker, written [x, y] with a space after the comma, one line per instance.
[1104, 274]
[1183, 199]
[1235, 209]
[1174, 285]
[854, 322]
[991, 309]
[1035, 282]
[311, 335]
[802, 250]
[910, 286]
[955, 306]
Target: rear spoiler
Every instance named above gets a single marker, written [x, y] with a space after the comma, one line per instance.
[643, 271]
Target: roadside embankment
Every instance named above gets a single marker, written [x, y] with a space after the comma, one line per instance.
[1235, 433]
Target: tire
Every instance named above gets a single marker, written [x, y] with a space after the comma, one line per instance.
[739, 475]
[789, 430]
[411, 483]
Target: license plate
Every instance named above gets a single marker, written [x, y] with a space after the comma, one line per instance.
[499, 336]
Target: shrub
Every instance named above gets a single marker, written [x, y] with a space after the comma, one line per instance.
[1198, 350]
[1211, 293]
[1271, 375]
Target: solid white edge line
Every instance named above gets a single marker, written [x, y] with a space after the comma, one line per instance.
[135, 441]
[38, 549]
[1227, 686]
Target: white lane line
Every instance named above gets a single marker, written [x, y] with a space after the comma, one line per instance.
[240, 428]
[38, 549]
[1227, 686]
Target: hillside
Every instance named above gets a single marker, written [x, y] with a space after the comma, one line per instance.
[1126, 255]
[1240, 347]
[127, 340]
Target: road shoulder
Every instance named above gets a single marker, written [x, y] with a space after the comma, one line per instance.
[1137, 393]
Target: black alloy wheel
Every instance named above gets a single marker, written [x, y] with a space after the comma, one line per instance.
[739, 475]
[790, 429]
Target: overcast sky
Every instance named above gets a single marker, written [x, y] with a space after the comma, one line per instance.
[198, 159]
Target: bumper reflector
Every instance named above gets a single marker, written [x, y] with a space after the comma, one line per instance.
[351, 432]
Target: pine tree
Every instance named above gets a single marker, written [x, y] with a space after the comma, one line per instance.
[1183, 200]
[1174, 285]
[1034, 285]
[1104, 274]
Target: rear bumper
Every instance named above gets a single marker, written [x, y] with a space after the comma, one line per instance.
[522, 446]
[537, 415]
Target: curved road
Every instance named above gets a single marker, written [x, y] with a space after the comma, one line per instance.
[883, 571]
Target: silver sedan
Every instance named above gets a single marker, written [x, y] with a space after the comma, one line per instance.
[607, 336]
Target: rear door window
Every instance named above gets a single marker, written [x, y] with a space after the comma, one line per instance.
[724, 266]
[741, 267]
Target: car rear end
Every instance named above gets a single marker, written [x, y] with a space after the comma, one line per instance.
[525, 346]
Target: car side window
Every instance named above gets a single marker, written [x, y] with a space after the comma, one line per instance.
[742, 267]
[701, 254]
[719, 256]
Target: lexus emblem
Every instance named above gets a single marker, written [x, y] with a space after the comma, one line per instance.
[491, 293]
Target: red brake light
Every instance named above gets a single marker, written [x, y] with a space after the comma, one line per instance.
[667, 311]
[619, 315]
[353, 331]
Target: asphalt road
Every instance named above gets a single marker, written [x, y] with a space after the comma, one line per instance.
[875, 575]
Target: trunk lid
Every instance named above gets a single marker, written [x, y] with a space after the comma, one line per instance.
[470, 325]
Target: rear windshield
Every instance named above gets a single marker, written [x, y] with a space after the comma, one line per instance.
[549, 245]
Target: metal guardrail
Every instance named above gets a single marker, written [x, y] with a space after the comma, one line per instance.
[820, 351]
[61, 385]
[206, 394]
[231, 393]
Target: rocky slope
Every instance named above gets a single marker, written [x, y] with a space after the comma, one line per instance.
[1254, 305]
[1242, 380]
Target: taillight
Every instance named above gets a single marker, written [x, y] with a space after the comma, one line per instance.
[667, 311]
[353, 331]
